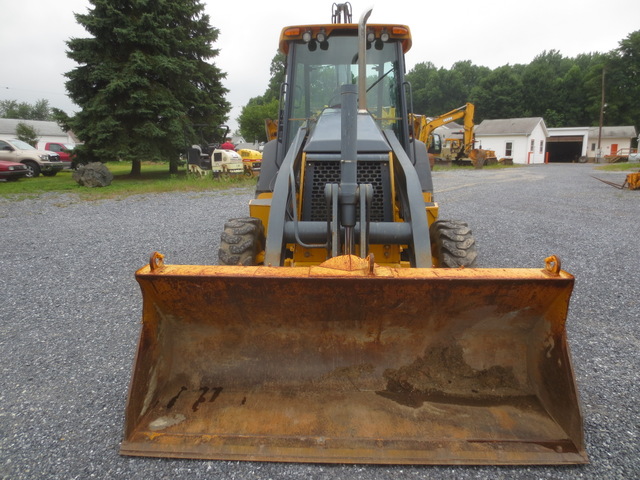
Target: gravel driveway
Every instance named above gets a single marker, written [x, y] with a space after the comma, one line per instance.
[71, 309]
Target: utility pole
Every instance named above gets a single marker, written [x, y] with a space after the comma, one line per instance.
[602, 105]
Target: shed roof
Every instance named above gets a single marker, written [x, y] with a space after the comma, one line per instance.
[510, 126]
[614, 132]
[44, 128]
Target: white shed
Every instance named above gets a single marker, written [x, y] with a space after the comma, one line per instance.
[46, 131]
[521, 139]
[612, 140]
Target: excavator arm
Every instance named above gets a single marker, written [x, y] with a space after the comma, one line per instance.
[423, 127]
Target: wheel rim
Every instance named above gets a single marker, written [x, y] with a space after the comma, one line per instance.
[31, 172]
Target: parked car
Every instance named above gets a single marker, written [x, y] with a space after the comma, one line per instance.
[12, 171]
[36, 161]
[65, 150]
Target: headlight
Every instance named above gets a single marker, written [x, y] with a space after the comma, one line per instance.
[44, 157]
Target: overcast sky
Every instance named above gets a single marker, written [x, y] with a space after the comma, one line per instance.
[490, 33]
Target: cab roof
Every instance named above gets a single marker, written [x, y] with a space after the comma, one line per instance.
[296, 32]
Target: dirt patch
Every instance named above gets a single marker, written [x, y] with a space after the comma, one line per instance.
[442, 374]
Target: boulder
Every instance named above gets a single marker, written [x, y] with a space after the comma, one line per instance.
[93, 175]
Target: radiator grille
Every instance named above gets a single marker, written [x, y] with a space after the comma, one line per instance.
[319, 173]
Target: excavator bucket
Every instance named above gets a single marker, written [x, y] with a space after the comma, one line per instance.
[351, 362]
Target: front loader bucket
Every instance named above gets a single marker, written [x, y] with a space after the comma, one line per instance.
[350, 362]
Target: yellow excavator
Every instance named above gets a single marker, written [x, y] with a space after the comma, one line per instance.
[461, 151]
[346, 322]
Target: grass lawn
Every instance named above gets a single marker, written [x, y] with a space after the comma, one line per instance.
[155, 178]
[620, 167]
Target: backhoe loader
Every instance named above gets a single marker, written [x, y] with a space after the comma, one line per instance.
[346, 323]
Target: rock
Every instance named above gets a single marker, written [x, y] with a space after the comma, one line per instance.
[94, 174]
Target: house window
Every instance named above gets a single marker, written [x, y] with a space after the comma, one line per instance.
[593, 147]
[533, 144]
[508, 149]
[541, 146]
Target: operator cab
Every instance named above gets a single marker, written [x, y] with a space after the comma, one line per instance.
[323, 58]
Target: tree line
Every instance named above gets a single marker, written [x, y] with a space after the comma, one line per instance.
[566, 92]
[147, 86]
[40, 110]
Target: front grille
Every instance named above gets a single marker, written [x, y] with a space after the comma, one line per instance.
[318, 173]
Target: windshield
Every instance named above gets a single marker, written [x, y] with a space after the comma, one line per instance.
[320, 70]
[21, 145]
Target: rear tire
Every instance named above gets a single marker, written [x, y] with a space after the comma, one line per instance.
[452, 244]
[241, 242]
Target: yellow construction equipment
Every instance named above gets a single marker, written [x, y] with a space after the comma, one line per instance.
[461, 150]
[252, 160]
[332, 330]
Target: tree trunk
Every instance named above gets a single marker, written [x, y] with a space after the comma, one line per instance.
[173, 165]
[135, 167]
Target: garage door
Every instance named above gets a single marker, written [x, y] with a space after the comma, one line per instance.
[565, 149]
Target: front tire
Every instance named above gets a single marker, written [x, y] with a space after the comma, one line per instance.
[452, 244]
[242, 242]
[33, 169]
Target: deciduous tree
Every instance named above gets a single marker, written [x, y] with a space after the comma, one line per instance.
[258, 109]
[27, 134]
[25, 111]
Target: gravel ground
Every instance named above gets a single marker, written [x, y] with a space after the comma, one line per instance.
[70, 314]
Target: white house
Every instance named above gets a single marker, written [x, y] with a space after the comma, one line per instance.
[521, 139]
[46, 131]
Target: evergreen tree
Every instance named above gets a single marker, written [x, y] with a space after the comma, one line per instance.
[144, 79]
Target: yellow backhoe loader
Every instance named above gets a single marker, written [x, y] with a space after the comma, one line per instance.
[346, 322]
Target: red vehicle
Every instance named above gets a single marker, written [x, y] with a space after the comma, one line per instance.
[65, 150]
[12, 171]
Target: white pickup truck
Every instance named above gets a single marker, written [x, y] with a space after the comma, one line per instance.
[36, 161]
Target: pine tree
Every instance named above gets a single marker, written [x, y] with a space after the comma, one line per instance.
[144, 79]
